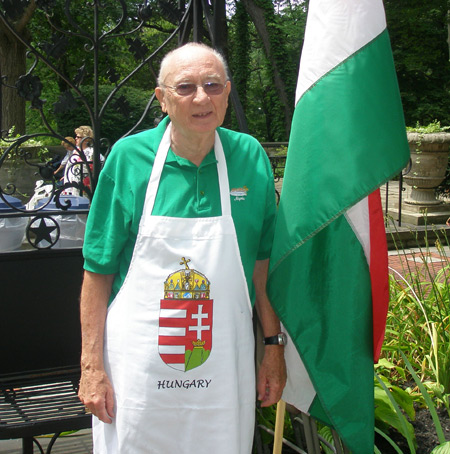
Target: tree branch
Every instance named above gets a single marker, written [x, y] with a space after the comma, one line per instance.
[26, 17]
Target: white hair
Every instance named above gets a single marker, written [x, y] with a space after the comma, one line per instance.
[193, 45]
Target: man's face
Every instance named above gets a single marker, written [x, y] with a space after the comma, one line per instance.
[197, 113]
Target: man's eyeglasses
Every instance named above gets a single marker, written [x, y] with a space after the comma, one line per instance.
[186, 89]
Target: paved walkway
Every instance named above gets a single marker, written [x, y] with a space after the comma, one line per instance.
[425, 262]
[77, 443]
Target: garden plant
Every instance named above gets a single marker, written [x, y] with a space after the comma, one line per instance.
[412, 377]
[413, 374]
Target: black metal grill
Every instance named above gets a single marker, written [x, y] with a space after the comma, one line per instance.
[41, 403]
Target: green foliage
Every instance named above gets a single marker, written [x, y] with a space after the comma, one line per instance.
[240, 52]
[72, 57]
[427, 400]
[418, 32]
[279, 35]
[254, 72]
[11, 137]
[418, 321]
[21, 147]
[115, 122]
[443, 448]
[115, 52]
[326, 433]
[434, 126]
[388, 404]
[388, 439]
[266, 417]
[417, 343]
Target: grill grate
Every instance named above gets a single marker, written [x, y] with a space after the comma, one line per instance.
[32, 407]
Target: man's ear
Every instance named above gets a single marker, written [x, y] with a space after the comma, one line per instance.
[228, 90]
[159, 92]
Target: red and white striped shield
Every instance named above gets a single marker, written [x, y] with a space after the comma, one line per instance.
[185, 332]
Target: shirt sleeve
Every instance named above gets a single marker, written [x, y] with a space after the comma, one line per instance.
[66, 158]
[268, 229]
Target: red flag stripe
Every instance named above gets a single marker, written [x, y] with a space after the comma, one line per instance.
[378, 271]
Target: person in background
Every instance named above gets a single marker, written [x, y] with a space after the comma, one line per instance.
[69, 144]
[176, 252]
[83, 140]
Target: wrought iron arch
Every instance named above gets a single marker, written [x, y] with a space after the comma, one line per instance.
[197, 20]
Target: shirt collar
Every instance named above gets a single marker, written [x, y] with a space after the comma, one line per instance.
[173, 159]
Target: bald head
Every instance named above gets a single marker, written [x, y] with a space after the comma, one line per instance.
[176, 57]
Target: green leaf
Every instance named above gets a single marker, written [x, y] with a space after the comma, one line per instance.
[405, 431]
[403, 398]
[391, 418]
[381, 398]
[405, 401]
[428, 400]
[326, 433]
[443, 448]
[385, 363]
[389, 440]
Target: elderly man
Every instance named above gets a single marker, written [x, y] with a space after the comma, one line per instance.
[176, 251]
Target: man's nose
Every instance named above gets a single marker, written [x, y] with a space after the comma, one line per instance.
[200, 94]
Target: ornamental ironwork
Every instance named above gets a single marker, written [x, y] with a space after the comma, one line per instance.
[95, 29]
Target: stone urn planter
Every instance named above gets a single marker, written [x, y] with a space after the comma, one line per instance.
[429, 157]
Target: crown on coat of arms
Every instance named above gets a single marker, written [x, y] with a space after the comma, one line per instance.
[186, 283]
[198, 343]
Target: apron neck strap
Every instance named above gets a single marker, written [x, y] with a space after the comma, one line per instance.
[158, 166]
[223, 176]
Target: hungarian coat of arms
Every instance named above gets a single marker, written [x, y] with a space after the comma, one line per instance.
[185, 320]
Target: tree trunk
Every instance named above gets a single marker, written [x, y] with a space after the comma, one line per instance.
[12, 65]
[448, 33]
[258, 18]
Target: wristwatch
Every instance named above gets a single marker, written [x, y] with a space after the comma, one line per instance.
[278, 339]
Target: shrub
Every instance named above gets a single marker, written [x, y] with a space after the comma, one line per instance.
[119, 118]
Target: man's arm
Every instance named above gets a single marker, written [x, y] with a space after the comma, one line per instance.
[272, 372]
[95, 391]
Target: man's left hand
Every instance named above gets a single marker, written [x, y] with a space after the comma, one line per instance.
[272, 375]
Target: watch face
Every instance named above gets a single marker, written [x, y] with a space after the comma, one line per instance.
[282, 339]
[278, 339]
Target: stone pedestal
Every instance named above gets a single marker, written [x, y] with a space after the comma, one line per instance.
[429, 160]
[417, 215]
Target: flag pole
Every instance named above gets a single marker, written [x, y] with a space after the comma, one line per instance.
[279, 427]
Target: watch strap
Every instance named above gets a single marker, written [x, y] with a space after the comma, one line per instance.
[278, 339]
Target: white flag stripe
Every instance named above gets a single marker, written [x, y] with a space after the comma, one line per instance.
[358, 218]
[172, 349]
[173, 313]
[297, 379]
[171, 331]
[336, 29]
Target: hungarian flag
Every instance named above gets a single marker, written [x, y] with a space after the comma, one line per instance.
[328, 278]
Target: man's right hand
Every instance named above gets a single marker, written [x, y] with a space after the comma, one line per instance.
[96, 393]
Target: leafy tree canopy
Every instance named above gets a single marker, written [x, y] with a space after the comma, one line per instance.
[419, 33]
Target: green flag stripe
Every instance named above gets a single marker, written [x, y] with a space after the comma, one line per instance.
[330, 164]
[329, 317]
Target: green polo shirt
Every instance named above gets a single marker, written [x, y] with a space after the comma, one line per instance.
[185, 190]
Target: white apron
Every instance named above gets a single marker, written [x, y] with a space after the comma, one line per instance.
[179, 344]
